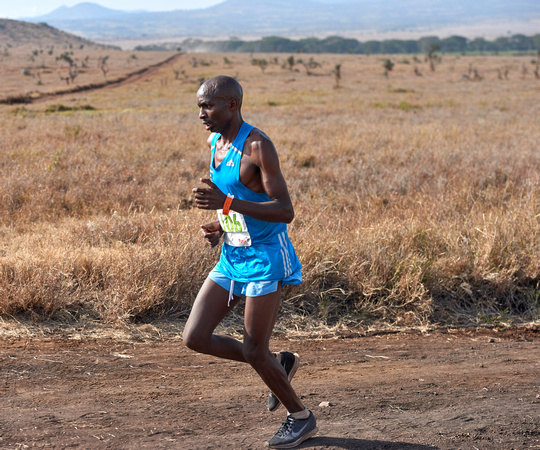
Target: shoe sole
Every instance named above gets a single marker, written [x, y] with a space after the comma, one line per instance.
[303, 438]
[291, 375]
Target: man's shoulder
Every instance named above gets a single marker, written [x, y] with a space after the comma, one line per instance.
[211, 138]
[258, 139]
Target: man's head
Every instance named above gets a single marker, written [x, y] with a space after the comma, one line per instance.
[223, 87]
[220, 102]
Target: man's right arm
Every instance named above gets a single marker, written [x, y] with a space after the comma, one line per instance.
[212, 232]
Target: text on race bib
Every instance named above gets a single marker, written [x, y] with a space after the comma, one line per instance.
[235, 228]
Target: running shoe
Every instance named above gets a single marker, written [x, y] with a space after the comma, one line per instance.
[290, 362]
[293, 432]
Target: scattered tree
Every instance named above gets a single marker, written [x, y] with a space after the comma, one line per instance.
[388, 66]
[262, 63]
[309, 65]
[290, 62]
[73, 72]
[472, 74]
[337, 75]
[66, 57]
[103, 66]
[477, 76]
[432, 57]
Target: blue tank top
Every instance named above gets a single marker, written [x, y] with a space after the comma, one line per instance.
[269, 255]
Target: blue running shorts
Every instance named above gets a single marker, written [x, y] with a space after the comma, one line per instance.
[250, 289]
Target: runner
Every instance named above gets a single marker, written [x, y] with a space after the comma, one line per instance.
[248, 191]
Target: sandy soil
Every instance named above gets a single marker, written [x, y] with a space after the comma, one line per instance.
[443, 389]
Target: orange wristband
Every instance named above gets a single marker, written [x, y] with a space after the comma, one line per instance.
[227, 204]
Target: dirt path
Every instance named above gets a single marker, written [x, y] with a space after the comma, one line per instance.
[138, 75]
[442, 390]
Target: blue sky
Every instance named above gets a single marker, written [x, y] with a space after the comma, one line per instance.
[31, 8]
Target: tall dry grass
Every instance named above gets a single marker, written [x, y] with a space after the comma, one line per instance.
[417, 198]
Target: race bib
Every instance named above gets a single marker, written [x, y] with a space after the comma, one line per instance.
[235, 228]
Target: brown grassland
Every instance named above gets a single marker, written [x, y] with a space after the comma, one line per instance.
[36, 59]
[417, 198]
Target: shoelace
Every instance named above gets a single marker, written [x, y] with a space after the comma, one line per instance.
[286, 426]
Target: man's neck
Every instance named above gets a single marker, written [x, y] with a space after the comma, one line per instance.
[229, 135]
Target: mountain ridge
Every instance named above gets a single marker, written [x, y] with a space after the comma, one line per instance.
[83, 10]
[259, 18]
[15, 33]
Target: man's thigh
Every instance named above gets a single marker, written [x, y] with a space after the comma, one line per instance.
[260, 316]
[210, 307]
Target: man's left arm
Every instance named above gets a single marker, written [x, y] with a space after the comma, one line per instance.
[279, 208]
[264, 156]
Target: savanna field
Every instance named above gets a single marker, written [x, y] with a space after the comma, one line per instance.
[416, 192]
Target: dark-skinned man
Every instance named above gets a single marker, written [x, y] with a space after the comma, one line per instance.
[248, 191]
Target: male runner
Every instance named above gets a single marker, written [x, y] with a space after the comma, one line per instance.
[249, 193]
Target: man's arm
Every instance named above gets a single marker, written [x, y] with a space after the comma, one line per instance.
[265, 174]
[268, 179]
[212, 232]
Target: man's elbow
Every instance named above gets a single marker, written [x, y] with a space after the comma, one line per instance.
[288, 215]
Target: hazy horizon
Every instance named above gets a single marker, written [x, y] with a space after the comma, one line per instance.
[34, 8]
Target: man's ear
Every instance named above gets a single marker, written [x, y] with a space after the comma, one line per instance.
[233, 104]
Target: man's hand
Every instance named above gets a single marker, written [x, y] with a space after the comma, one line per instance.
[210, 197]
[212, 233]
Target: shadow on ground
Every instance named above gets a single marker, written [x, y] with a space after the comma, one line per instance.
[361, 444]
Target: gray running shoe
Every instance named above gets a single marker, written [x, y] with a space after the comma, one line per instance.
[290, 362]
[293, 432]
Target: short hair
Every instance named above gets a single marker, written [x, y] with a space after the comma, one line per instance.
[225, 87]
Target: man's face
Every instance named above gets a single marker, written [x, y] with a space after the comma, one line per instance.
[213, 111]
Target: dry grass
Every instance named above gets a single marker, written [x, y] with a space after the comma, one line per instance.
[33, 70]
[417, 198]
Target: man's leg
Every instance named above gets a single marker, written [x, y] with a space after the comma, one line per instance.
[259, 319]
[209, 309]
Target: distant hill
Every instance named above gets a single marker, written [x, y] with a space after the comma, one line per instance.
[288, 18]
[81, 11]
[15, 33]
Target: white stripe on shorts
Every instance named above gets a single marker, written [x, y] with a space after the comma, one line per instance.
[285, 254]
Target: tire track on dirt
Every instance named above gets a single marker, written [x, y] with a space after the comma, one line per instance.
[132, 77]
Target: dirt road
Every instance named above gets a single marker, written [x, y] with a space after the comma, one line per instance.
[138, 75]
[442, 389]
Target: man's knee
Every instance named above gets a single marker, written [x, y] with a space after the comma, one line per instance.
[255, 355]
[194, 341]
